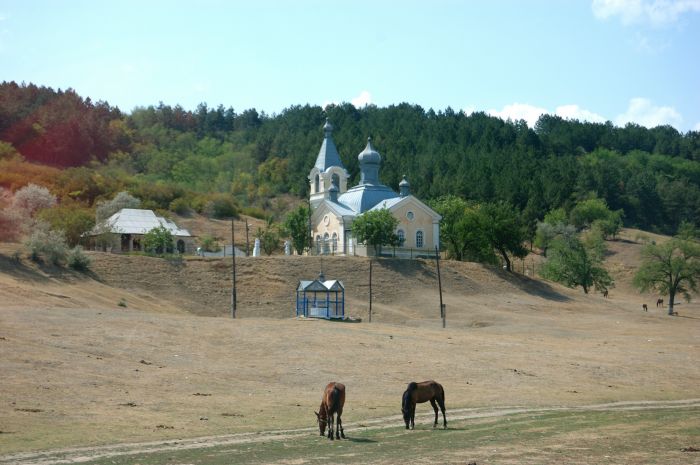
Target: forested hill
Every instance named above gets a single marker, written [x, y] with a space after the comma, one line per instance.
[651, 174]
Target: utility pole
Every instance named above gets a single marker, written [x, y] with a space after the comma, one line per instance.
[370, 290]
[233, 262]
[443, 310]
[247, 244]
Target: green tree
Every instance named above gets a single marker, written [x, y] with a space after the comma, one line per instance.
[670, 268]
[72, 219]
[547, 232]
[376, 228]
[296, 226]
[454, 226]
[158, 241]
[573, 264]
[269, 238]
[503, 231]
[588, 211]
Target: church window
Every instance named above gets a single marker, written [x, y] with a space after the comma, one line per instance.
[326, 244]
[419, 239]
[410, 216]
[402, 237]
[335, 179]
[316, 184]
[318, 245]
[334, 243]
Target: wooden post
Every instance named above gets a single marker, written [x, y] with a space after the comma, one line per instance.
[370, 290]
[442, 306]
[233, 265]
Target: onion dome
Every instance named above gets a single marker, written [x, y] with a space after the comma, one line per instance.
[404, 187]
[369, 155]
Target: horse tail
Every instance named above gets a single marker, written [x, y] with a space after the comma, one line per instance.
[334, 401]
[412, 386]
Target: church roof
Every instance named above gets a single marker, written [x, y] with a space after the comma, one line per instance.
[365, 196]
[328, 154]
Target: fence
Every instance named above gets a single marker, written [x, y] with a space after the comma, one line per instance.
[333, 248]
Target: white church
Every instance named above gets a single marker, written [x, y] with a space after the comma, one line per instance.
[335, 206]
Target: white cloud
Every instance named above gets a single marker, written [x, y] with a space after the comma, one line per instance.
[576, 112]
[655, 12]
[696, 127]
[531, 113]
[365, 98]
[518, 111]
[468, 110]
[642, 112]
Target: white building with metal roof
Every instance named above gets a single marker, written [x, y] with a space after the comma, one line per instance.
[128, 226]
[335, 206]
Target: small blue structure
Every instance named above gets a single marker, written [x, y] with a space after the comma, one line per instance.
[321, 299]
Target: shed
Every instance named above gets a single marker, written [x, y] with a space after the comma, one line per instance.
[321, 298]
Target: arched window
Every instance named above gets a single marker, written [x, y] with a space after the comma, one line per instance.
[326, 244]
[419, 239]
[316, 184]
[318, 245]
[335, 179]
[402, 237]
[334, 243]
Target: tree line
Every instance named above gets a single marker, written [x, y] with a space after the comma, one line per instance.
[172, 157]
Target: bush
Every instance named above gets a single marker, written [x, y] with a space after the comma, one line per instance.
[72, 219]
[107, 208]
[11, 223]
[78, 260]
[221, 206]
[209, 244]
[32, 198]
[158, 241]
[48, 245]
[181, 206]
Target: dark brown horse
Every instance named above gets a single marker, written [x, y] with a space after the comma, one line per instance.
[419, 393]
[659, 303]
[331, 403]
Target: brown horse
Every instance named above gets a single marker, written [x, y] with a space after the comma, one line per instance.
[419, 393]
[659, 303]
[331, 403]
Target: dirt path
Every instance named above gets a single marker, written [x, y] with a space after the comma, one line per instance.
[85, 454]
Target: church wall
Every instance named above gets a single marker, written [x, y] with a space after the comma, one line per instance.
[329, 224]
[421, 221]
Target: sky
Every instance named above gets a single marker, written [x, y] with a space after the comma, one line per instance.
[597, 60]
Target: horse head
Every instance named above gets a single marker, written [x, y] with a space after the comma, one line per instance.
[322, 422]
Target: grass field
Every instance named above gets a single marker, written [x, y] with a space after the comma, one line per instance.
[646, 436]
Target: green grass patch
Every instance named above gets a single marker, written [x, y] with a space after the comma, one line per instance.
[645, 436]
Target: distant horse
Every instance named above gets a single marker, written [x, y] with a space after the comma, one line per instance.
[660, 302]
[645, 308]
[419, 393]
[331, 403]
[605, 293]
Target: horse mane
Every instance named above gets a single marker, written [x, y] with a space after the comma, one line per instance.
[405, 402]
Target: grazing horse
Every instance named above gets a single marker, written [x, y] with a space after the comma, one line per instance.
[605, 293]
[423, 392]
[659, 303]
[645, 308]
[331, 403]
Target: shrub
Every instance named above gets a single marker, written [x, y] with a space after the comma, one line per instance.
[209, 244]
[107, 208]
[11, 223]
[181, 206]
[78, 260]
[72, 219]
[221, 206]
[32, 198]
[158, 241]
[47, 244]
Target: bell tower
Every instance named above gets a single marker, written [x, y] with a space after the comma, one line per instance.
[327, 171]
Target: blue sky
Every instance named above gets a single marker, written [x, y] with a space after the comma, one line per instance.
[617, 60]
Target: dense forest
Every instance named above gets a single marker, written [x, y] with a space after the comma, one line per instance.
[172, 158]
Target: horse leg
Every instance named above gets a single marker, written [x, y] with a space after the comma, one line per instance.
[432, 402]
[339, 428]
[330, 426]
[441, 402]
[413, 416]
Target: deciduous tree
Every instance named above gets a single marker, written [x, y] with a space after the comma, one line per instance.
[375, 228]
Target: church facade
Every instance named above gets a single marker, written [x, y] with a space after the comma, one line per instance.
[334, 206]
